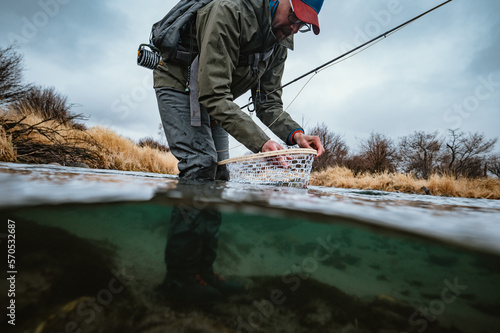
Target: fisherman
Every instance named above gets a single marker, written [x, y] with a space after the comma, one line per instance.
[230, 48]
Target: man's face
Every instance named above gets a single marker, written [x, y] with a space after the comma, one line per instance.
[281, 25]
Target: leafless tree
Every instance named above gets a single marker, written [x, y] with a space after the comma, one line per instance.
[493, 165]
[335, 148]
[11, 70]
[466, 154]
[419, 153]
[379, 153]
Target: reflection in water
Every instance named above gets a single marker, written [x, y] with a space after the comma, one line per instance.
[190, 253]
[191, 250]
[97, 268]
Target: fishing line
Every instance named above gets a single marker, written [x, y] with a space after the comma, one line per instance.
[340, 59]
[305, 84]
[385, 34]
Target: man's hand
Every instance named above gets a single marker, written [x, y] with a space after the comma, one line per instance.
[309, 141]
[271, 145]
[280, 160]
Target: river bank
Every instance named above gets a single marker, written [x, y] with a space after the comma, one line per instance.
[487, 188]
[33, 140]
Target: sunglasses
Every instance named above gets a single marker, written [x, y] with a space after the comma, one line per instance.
[293, 19]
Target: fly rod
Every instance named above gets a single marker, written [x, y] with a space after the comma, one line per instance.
[353, 50]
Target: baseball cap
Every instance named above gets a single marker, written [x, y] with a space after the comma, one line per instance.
[307, 11]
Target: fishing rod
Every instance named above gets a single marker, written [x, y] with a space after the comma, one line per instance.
[353, 50]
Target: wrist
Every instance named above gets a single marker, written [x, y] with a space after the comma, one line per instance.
[264, 146]
[291, 138]
[296, 137]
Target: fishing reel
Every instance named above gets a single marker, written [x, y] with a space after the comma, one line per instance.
[148, 56]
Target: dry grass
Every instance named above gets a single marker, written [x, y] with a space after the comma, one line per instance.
[488, 188]
[113, 151]
[7, 152]
[124, 154]
[116, 152]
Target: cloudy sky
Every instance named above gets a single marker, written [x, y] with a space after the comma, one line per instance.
[440, 72]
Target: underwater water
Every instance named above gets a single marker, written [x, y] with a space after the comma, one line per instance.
[90, 254]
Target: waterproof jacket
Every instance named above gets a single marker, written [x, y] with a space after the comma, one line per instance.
[225, 30]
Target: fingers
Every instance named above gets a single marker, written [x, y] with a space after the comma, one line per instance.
[280, 161]
[311, 142]
[318, 146]
[271, 145]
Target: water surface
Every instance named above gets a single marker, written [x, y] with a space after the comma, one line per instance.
[90, 255]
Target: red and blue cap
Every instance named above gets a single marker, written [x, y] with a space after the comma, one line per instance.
[307, 11]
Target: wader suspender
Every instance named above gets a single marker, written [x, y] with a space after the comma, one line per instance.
[193, 94]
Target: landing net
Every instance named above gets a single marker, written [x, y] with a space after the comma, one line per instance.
[265, 168]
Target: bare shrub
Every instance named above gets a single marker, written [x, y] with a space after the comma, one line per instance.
[152, 143]
[335, 148]
[493, 164]
[357, 164]
[379, 153]
[419, 153]
[11, 70]
[466, 154]
[48, 104]
[41, 141]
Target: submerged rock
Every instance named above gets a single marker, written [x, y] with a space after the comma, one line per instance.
[79, 165]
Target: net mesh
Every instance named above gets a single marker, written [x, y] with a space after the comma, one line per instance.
[259, 169]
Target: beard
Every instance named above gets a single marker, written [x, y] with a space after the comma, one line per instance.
[282, 31]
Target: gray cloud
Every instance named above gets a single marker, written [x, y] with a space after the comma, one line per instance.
[413, 80]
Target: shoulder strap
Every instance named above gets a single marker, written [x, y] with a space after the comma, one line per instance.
[165, 33]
